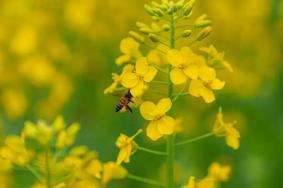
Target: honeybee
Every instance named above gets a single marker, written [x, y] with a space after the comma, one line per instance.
[124, 101]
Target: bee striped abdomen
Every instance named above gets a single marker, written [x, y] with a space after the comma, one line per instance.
[121, 104]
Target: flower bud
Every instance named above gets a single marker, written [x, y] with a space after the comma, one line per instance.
[158, 12]
[166, 27]
[140, 24]
[146, 30]
[203, 33]
[149, 10]
[186, 33]
[203, 23]
[187, 9]
[153, 37]
[137, 36]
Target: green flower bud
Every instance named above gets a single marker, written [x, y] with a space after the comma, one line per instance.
[187, 9]
[153, 37]
[166, 27]
[137, 36]
[146, 30]
[203, 23]
[140, 24]
[186, 33]
[203, 33]
[149, 10]
[158, 12]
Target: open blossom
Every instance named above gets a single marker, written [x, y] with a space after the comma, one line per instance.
[118, 78]
[228, 130]
[220, 173]
[204, 86]
[160, 124]
[127, 147]
[185, 65]
[216, 58]
[137, 81]
[130, 49]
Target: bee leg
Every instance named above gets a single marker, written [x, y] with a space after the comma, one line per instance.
[131, 101]
[129, 108]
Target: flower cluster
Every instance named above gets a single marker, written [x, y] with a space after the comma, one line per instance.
[155, 59]
[47, 151]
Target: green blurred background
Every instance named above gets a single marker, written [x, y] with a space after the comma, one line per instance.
[56, 57]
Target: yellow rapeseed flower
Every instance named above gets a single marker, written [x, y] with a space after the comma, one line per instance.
[67, 137]
[205, 183]
[220, 173]
[137, 81]
[15, 151]
[228, 130]
[204, 86]
[130, 49]
[111, 170]
[160, 124]
[118, 78]
[127, 147]
[185, 65]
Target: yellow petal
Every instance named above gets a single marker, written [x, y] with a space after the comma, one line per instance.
[127, 68]
[123, 59]
[151, 73]
[152, 131]
[207, 95]
[206, 183]
[129, 80]
[163, 106]
[191, 183]
[138, 89]
[177, 76]
[232, 137]
[186, 53]
[146, 109]
[196, 87]
[192, 71]
[166, 125]
[207, 73]
[141, 66]
[217, 84]
[154, 57]
[128, 45]
[174, 57]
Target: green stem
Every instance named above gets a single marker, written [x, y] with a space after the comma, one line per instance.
[159, 82]
[195, 139]
[151, 151]
[170, 138]
[47, 168]
[36, 174]
[146, 180]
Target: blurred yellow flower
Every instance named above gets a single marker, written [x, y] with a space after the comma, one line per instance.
[14, 103]
[67, 136]
[14, 151]
[215, 58]
[226, 129]
[205, 183]
[130, 49]
[111, 170]
[218, 172]
[137, 81]
[185, 65]
[127, 147]
[160, 124]
[40, 185]
[156, 58]
[118, 78]
[206, 84]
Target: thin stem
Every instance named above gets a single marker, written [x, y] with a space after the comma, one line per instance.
[179, 94]
[170, 138]
[160, 69]
[152, 151]
[195, 139]
[36, 174]
[47, 168]
[146, 180]
[159, 82]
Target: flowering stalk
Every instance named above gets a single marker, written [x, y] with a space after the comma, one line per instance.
[170, 138]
